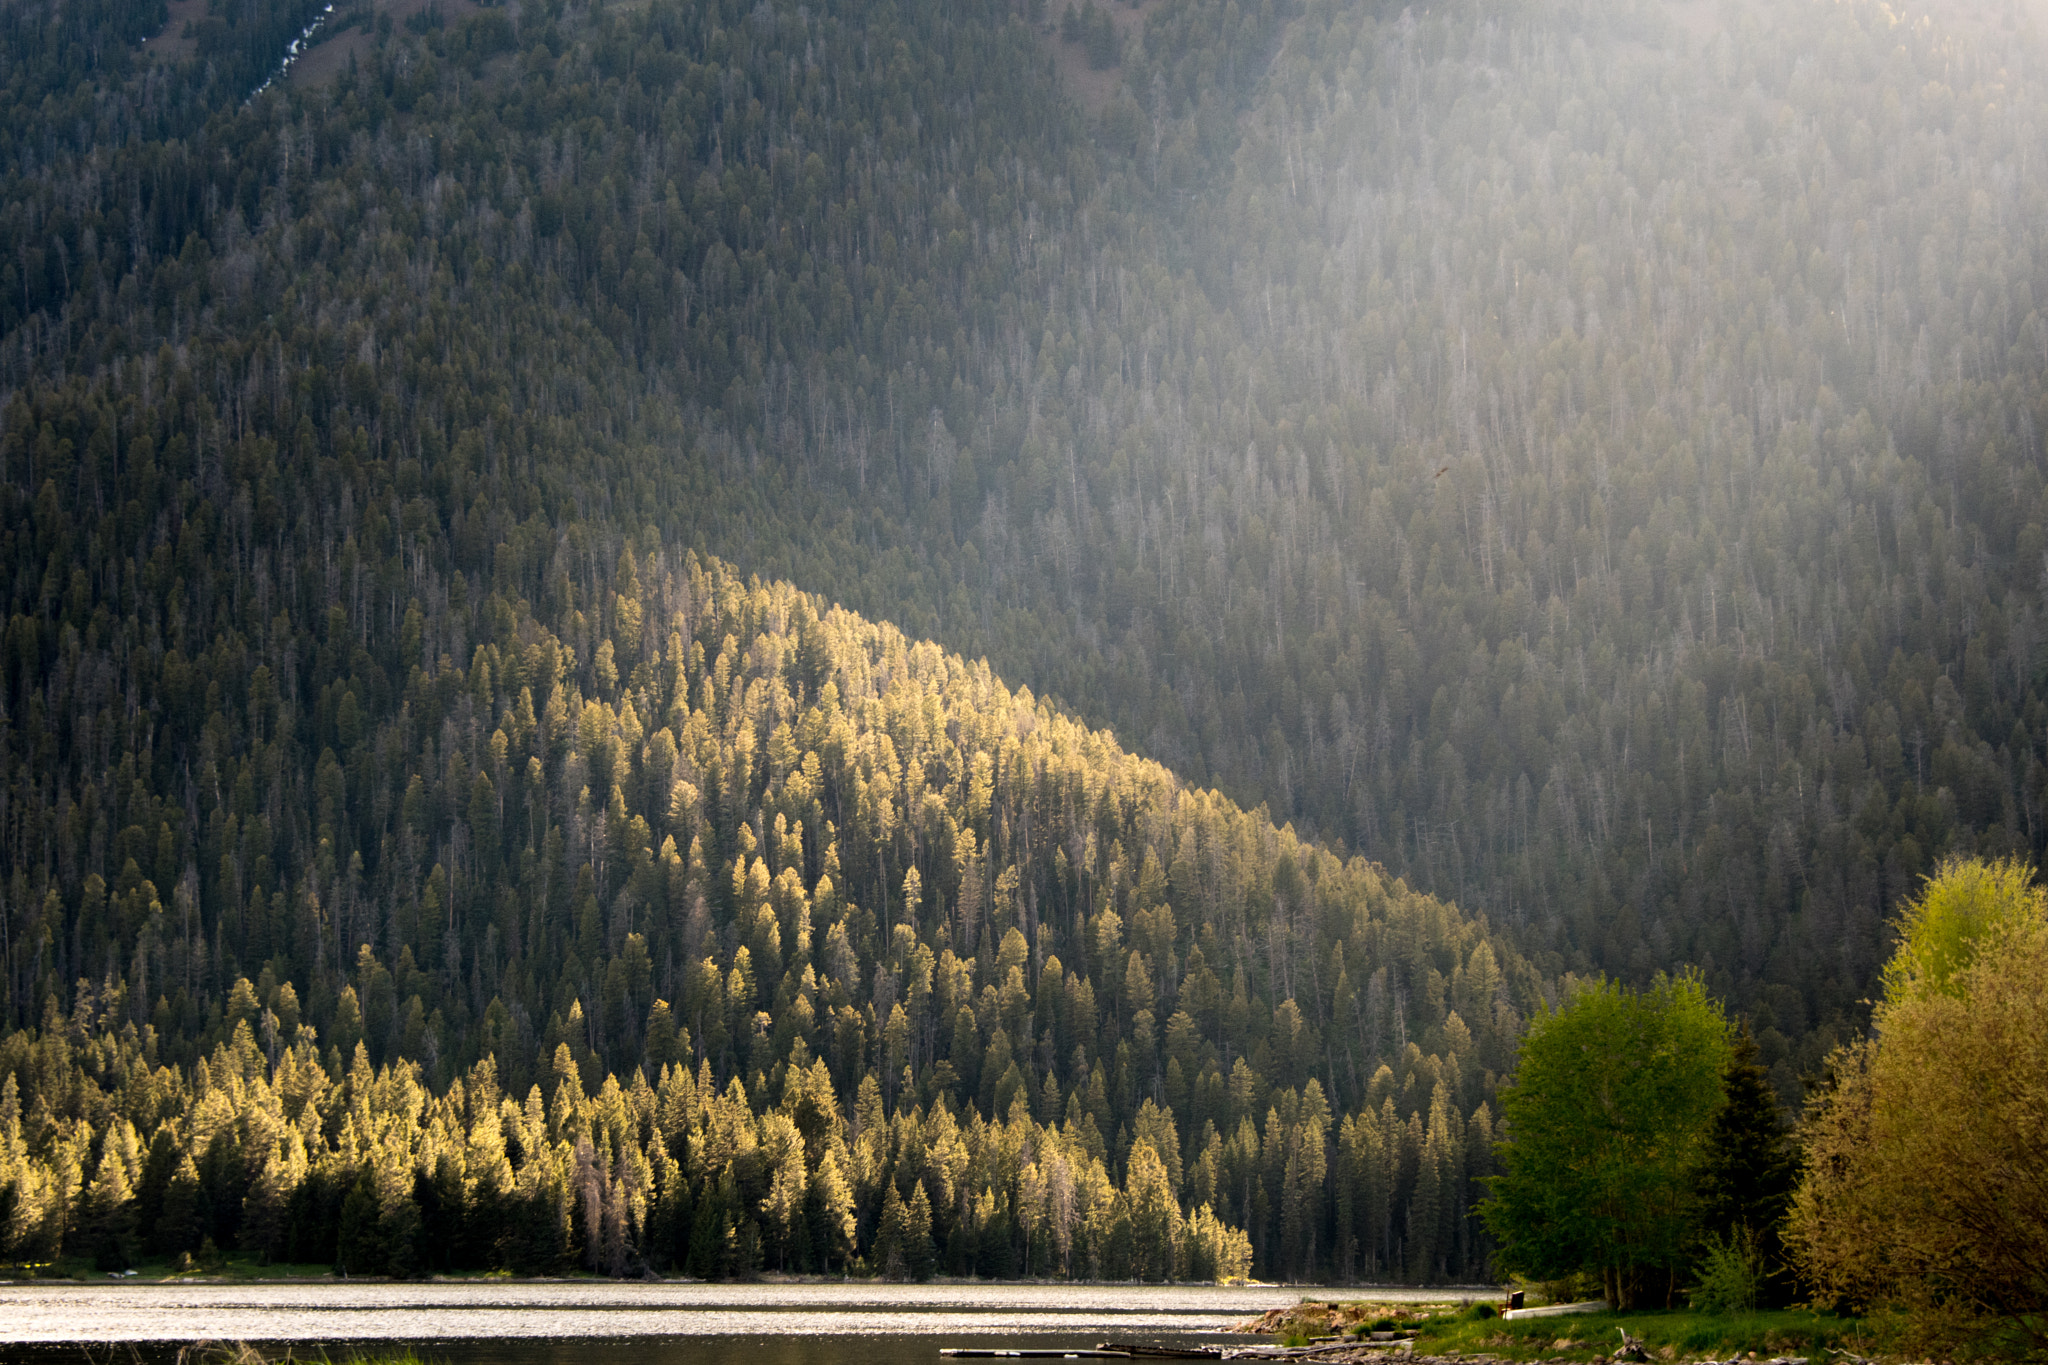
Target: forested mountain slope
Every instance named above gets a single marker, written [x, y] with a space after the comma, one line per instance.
[797, 939]
[1590, 469]
[1658, 576]
[1594, 468]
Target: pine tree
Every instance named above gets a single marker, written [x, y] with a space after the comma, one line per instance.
[832, 1198]
[709, 1230]
[1155, 1222]
[919, 1255]
[107, 1221]
[360, 1249]
[1750, 1166]
[782, 1151]
[890, 1258]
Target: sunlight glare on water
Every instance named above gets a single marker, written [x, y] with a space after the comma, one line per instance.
[46, 1312]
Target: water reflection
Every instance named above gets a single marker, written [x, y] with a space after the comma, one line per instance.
[922, 1349]
[602, 1323]
[340, 1311]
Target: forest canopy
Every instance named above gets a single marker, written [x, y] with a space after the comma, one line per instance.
[857, 954]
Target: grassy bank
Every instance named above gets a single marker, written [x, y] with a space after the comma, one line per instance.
[1443, 1329]
[81, 1268]
[1675, 1335]
[236, 1269]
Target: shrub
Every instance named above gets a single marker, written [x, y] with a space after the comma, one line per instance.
[1731, 1273]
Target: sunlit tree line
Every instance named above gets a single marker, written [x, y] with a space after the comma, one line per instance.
[376, 1173]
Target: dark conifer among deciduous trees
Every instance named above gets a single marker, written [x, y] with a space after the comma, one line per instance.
[1750, 1166]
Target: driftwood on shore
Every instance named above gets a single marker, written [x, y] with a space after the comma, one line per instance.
[1125, 1350]
[1333, 1348]
[1148, 1351]
[1330, 1353]
[1108, 1350]
[1555, 1310]
[1011, 1353]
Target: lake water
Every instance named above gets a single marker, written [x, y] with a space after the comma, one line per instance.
[607, 1323]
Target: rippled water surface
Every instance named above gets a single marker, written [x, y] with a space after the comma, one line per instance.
[613, 1323]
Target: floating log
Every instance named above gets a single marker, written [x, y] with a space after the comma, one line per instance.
[1557, 1310]
[1108, 1350]
[1297, 1352]
[1053, 1353]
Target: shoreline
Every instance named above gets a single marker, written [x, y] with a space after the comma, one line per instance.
[1310, 1293]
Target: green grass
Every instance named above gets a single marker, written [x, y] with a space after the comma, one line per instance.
[82, 1268]
[232, 1269]
[237, 1269]
[1685, 1334]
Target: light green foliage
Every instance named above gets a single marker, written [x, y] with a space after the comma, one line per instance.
[1963, 906]
[1730, 1274]
[1922, 1185]
[1606, 1124]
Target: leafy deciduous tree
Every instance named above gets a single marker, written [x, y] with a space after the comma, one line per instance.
[1925, 1181]
[1606, 1126]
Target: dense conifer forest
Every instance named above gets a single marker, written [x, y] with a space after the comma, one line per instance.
[1559, 488]
[858, 953]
